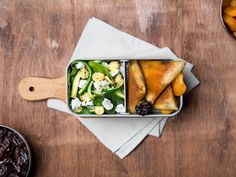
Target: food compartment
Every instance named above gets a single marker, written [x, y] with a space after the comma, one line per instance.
[97, 88]
[155, 87]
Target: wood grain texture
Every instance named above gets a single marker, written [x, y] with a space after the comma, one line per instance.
[39, 88]
[38, 37]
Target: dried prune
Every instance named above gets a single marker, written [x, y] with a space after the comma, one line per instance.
[14, 156]
[3, 133]
[13, 175]
[143, 108]
[3, 169]
[17, 142]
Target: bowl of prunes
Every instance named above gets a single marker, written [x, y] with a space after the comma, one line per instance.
[15, 156]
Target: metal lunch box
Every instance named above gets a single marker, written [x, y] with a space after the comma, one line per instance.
[155, 114]
[39, 88]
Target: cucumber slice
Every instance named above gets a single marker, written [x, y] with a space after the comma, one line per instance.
[75, 85]
[81, 91]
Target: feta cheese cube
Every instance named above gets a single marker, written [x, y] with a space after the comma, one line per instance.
[83, 103]
[82, 83]
[90, 103]
[104, 84]
[99, 85]
[79, 65]
[107, 104]
[75, 103]
[120, 108]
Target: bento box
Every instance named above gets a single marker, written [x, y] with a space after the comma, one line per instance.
[114, 88]
[111, 100]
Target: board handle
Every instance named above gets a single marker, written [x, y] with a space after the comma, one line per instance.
[38, 88]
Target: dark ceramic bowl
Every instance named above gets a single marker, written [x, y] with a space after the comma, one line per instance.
[14, 144]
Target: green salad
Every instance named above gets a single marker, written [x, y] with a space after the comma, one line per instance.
[96, 87]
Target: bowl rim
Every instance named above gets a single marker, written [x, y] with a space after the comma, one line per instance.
[222, 21]
[27, 145]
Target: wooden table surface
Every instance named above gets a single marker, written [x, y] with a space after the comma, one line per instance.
[37, 37]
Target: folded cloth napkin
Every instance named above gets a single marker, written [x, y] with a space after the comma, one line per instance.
[100, 40]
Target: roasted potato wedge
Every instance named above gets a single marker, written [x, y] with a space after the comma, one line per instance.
[231, 22]
[230, 11]
[178, 85]
[233, 3]
[166, 111]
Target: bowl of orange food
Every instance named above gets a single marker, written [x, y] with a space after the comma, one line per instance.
[228, 16]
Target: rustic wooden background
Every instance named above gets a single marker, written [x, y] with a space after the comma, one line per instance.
[37, 38]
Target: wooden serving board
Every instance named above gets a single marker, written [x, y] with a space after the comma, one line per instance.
[39, 88]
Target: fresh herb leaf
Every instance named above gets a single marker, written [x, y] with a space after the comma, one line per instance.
[96, 67]
[87, 110]
[98, 99]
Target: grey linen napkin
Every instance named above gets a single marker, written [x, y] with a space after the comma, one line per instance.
[102, 41]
